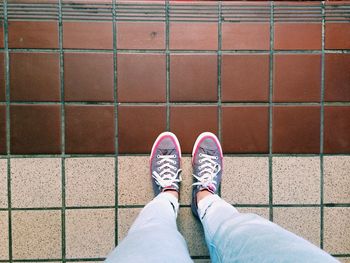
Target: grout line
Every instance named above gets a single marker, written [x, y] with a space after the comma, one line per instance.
[167, 56]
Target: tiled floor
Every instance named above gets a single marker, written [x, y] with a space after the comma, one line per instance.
[85, 88]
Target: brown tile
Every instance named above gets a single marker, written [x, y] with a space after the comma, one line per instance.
[337, 77]
[336, 129]
[297, 78]
[136, 35]
[2, 129]
[196, 119]
[88, 35]
[296, 129]
[2, 77]
[79, 82]
[337, 36]
[245, 77]
[90, 129]
[33, 34]
[35, 129]
[193, 77]
[141, 77]
[139, 126]
[241, 36]
[298, 36]
[35, 77]
[193, 36]
[245, 129]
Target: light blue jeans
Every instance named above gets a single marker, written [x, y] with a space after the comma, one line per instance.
[231, 236]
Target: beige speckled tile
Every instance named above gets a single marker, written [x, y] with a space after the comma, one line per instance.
[3, 183]
[90, 181]
[89, 232]
[134, 180]
[344, 260]
[187, 180]
[36, 182]
[336, 179]
[36, 234]
[4, 232]
[192, 231]
[302, 221]
[260, 211]
[126, 217]
[245, 180]
[296, 180]
[337, 230]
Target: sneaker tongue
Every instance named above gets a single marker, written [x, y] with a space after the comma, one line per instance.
[208, 151]
[165, 151]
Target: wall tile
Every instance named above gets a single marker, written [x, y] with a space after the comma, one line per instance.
[4, 235]
[139, 126]
[88, 35]
[33, 34]
[35, 129]
[188, 122]
[337, 36]
[84, 122]
[193, 77]
[3, 183]
[35, 77]
[245, 129]
[193, 36]
[336, 129]
[79, 82]
[137, 35]
[245, 77]
[141, 77]
[297, 78]
[296, 129]
[3, 143]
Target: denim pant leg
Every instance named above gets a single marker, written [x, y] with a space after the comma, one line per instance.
[153, 237]
[235, 237]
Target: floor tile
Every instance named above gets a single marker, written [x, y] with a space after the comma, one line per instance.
[2, 77]
[336, 179]
[187, 181]
[201, 260]
[337, 36]
[90, 181]
[337, 77]
[35, 77]
[245, 36]
[89, 233]
[85, 122]
[141, 35]
[193, 36]
[297, 36]
[4, 233]
[141, 77]
[134, 180]
[35, 129]
[260, 211]
[236, 86]
[3, 143]
[36, 182]
[245, 129]
[196, 119]
[193, 77]
[139, 126]
[336, 129]
[2, 36]
[36, 234]
[3, 183]
[245, 180]
[33, 34]
[296, 180]
[80, 84]
[192, 231]
[297, 78]
[302, 221]
[336, 230]
[344, 259]
[126, 217]
[88, 35]
[296, 129]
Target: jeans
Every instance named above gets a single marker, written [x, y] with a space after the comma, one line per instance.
[231, 236]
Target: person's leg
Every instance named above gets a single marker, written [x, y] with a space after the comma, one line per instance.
[154, 236]
[230, 235]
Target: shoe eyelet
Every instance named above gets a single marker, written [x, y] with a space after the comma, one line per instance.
[174, 162]
[200, 161]
[158, 169]
[158, 156]
[174, 156]
[216, 157]
[200, 154]
[158, 162]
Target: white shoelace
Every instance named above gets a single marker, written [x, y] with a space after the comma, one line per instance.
[207, 171]
[167, 174]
